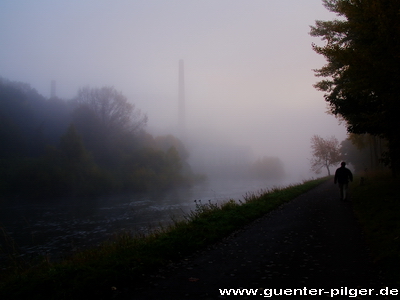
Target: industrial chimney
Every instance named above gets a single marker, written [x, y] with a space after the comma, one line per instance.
[181, 101]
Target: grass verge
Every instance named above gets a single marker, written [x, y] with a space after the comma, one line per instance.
[98, 273]
[377, 205]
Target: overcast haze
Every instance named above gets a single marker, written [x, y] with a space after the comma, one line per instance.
[248, 64]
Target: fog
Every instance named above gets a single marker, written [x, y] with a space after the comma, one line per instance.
[248, 67]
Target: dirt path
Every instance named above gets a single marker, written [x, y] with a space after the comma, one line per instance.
[314, 242]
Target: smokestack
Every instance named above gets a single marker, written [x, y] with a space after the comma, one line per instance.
[53, 89]
[181, 101]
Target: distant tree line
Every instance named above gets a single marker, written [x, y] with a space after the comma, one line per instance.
[362, 74]
[93, 144]
[268, 167]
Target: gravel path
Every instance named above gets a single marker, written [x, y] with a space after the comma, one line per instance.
[313, 242]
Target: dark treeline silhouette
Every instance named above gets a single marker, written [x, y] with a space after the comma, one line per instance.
[93, 144]
[360, 80]
[364, 152]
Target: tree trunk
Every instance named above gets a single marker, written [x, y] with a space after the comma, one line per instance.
[329, 171]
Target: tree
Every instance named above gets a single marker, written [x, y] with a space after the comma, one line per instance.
[26, 122]
[109, 124]
[363, 70]
[363, 151]
[268, 167]
[165, 142]
[111, 108]
[326, 153]
[72, 146]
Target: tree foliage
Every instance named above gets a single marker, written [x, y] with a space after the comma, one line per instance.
[363, 67]
[28, 121]
[93, 144]
[72, 146]
[111, 108]
[363, 151]
[165, 142]
[268, 167]
[325, 153]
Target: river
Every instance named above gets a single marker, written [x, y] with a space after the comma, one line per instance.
[58, 227]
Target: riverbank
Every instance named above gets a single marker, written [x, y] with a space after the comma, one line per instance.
[60, 226]
[103, 271]
[313, 241]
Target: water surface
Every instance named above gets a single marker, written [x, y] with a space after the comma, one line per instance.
[56, 227]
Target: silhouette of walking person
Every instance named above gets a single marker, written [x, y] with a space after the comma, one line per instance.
[343, 176]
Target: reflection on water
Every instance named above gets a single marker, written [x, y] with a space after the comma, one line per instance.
[60, 226]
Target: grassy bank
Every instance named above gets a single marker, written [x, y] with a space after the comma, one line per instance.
[377, 205]
[123, 261]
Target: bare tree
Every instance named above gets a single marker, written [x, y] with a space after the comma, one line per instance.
[112, 108]
[326, 153]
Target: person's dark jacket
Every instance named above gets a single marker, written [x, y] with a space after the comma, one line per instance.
[343, 175]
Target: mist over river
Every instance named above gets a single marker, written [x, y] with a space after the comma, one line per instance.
[58, 226]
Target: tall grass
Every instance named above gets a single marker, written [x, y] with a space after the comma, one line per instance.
[377, 205]
[123, 261]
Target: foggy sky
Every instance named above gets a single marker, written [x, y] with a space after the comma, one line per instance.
[248, 64]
